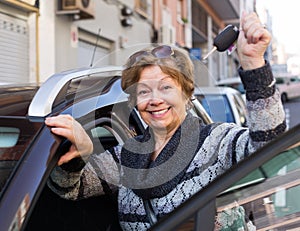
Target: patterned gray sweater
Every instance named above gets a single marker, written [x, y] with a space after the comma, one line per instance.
[194, 156]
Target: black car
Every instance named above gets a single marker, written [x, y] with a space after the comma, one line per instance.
[29, 151]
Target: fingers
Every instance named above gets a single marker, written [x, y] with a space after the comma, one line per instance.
[71, 154]
[68, 127]
[254, 31]
[59, 121]
[62, 125]
[252, 42]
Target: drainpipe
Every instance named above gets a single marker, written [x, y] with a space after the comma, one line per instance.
[37, 67]
[210, 42]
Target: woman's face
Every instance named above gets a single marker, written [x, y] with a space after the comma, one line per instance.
[160, 100]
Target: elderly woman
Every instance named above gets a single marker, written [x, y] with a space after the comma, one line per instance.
[178, 155]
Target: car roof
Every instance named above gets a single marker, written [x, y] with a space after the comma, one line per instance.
[56, 88]
[215, 90]
[15, 98]
[229, 80]
[82, 90]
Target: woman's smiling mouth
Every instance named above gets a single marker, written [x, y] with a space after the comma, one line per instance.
[160, 112]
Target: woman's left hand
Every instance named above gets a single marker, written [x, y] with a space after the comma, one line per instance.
[252, 42]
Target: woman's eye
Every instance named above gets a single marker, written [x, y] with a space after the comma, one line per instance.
[142, 92]
[166, 87]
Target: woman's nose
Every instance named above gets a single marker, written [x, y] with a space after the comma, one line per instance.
[156, 98]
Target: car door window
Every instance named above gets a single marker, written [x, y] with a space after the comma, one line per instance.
[267, 198]
[106, 134]
[15, 136]
[279, 80]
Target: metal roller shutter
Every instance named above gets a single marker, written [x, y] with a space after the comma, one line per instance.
[14, 49]
[86, 51]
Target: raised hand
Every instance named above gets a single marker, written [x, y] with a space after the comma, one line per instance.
[253, 41]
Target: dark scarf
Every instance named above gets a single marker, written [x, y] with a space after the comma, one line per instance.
[151, 179]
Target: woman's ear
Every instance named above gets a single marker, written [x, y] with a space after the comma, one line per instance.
[189, 104]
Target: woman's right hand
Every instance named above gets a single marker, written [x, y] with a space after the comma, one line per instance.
[68, 127]
[253, 41]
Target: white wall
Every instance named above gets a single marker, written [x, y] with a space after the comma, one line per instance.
[47, 39]
[56, 51]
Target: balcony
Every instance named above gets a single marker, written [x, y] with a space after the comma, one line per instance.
[222, 14]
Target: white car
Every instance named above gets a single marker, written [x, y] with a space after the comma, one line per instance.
[288, 86]
[233, 82]
[223, 104]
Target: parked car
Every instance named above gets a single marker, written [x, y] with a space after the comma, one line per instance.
[29, 151]
[289, 86]
[233, 82]
[223, 104]
[261, 193]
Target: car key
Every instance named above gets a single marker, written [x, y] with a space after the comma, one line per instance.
[225, 39]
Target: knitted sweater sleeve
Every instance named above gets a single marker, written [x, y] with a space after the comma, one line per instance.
[265, 119]
[80, 179]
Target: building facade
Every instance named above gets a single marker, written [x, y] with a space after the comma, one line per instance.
[209, 18]
[45, 37]
[58, 35]
[18, 41]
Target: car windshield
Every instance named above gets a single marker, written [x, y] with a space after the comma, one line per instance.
[217, 107]
[15, 135]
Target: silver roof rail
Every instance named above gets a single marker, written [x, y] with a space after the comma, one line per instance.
[42, 102]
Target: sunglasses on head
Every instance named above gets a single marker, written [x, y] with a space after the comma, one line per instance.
[160, 52]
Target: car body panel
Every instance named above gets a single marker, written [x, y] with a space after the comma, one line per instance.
[18, 195]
